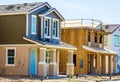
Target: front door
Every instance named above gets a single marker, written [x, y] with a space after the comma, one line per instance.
[33, 62]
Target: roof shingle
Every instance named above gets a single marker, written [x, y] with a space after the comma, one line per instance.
[18, 7]
[111, 28]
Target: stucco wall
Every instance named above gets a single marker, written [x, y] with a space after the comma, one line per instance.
[21, 61]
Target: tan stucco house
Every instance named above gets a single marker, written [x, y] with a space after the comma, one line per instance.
[30, 40]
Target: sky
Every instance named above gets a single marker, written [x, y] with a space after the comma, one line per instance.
[108, 11]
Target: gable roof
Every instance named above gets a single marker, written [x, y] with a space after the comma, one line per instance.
[18, 8]
[27, 8]
[111, 27]
[53, 10]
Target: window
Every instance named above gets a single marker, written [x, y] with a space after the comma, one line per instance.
[33, 30]
[105, 40]
[55, 31]
[47, 27]
[81, 63]
[95, 37]
[117, 59]
[10, 56]
[89, 36]
[100, 39]
[47, 57]
[74, 59]
[116, 40]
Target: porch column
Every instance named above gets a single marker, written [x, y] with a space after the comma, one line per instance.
[58, 61]
[106, 62]
[103, 64]
[42, 67]
[91, 63]
[109, 65]
[70, 65]
[114, 64]
[53, 64]
[98, 63]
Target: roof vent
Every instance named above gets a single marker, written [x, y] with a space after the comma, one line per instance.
[25, 4]
[10, 7]
[33, 4]
[18, 7]
[106, 27]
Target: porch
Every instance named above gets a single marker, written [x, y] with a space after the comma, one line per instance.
[100, 61]
[49, 65]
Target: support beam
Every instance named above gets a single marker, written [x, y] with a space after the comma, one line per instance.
[114, 64]
[88, 63]
[109, 65]
[53, 64]
[58, 55]
[106, 62]
[103, 64]
[98, 63]
[91, 63]
[70, 65]
[42, 67]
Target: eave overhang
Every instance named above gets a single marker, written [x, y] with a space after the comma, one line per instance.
[62, 47]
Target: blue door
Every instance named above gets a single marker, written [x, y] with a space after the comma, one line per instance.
[33, 62]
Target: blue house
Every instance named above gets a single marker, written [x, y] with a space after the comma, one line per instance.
[30, 41]
[112, 42]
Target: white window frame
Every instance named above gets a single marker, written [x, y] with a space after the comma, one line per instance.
[7, 56]
[105, 40]
[46, 35]
[47, 57]
[34, 16]
[116, 40]
[42, 29]
[58, 29]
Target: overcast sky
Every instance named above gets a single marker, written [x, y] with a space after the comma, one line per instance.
[106, 10]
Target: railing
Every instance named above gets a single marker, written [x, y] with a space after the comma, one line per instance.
[91, 23]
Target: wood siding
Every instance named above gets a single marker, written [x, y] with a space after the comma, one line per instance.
[12, 29]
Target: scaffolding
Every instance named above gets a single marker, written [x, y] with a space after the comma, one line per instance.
[91, 23]
[81, 23]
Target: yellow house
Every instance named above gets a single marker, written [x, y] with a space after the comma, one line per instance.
[90, 57]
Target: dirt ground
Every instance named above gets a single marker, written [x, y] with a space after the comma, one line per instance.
[74, 79]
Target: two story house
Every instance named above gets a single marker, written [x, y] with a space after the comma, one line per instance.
[30, 40]
[90, 57]
[112, 41]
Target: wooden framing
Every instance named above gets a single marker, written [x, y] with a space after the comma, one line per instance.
[94, 62]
